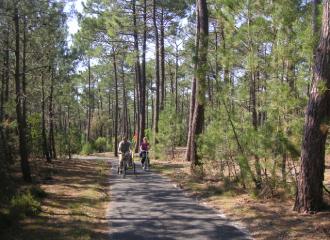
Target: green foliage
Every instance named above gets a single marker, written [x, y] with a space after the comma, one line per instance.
[87, 149]
[34, 121]
[24, 204]
[68, 141]
[101, 144]
[170, 131]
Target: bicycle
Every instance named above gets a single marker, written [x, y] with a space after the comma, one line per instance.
[145, 161]
[126, 163]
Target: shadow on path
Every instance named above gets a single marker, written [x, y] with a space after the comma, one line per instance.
[148, 206]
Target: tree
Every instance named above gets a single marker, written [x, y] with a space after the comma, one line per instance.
[157, 74]
[21, 100]
[310, 185]
[200, 74]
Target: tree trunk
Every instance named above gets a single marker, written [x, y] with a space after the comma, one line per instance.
[51, 136]
[157, 100]
[253, 106]
[201, 70]
[125, 107]
[176, 77]
[310, 184]
[283, 168]
[193, 89]
[43, 121]
[20, 102]
[68, 133]
[162, 61]
[6, 67]
[89, 102]
[116, 107]
[143, 75]
[139, 81]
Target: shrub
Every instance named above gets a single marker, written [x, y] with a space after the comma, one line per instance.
[35, 134]
[170, 131]
[87, 149]
[101, 144]
[23, 205]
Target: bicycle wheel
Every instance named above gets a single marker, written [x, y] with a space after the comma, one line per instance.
[124, 170]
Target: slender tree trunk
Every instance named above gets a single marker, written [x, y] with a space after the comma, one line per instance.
[152, 105]
[162, 61]
[116, 107]
[310, 185]
[176, 77]
[109, 114]
[135, 108]
[89, 102]
[68, 133]
[253, 106]
[216, 74]
[140, 78]
[283, 168]
[51, 136]
[4, 154]
[6, 67]
[2, 93]
[143, 75]
[193, 89]
[201, 69]
[125, 107]
[43, 121]
[20, 102]
[157, 100]
[253, 97]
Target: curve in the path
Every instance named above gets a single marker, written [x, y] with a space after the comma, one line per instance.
[147, 206]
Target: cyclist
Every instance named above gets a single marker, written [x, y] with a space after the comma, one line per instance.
[124, 147]
[144, 148]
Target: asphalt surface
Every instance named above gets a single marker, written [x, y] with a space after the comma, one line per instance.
[148, 206]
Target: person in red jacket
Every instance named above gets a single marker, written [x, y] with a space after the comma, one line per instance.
[144, 149]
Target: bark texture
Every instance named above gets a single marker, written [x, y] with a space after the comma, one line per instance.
[309, 196]
[201, 69]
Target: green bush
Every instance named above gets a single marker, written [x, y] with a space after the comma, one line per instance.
[23, 205]
[68, 141]
[110, 146]
[35, 133]
[170, 132]
[101, 144]
[87, 149]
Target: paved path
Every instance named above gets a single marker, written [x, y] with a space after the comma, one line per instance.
[148, 206]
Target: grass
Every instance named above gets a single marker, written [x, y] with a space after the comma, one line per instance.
[265, 218]
[73, 204]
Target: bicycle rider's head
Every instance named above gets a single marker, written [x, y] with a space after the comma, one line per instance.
[124, 138]
[145, 140]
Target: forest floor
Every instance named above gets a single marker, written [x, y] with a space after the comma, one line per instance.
[77, 200]
[75, 205]
[265, 218]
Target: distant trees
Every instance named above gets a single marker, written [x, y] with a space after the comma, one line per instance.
[32, 46]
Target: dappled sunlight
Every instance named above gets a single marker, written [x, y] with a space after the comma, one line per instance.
[75, 206]
[265, 218]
